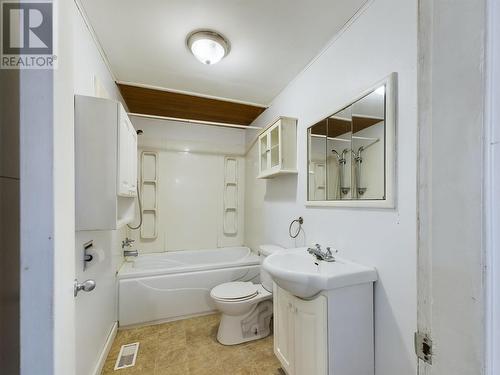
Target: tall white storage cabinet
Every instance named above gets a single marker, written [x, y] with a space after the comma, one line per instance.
[105, 164]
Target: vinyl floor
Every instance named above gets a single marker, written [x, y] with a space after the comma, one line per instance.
[190, 347]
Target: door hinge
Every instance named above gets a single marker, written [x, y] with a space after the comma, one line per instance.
[423, 347]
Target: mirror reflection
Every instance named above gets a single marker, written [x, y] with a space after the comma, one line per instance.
[346, 158]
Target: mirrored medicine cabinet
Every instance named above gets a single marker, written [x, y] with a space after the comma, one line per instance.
[351, 153]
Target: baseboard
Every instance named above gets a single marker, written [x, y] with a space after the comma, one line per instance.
[105, 350]
[167, 320]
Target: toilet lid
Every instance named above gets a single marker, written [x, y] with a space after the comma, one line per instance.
[236, 290]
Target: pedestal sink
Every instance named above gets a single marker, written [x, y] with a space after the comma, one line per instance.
[301, 274]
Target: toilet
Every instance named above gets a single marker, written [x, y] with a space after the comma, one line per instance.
[246, 307]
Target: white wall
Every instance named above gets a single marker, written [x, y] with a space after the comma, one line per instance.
[96, 312]
[89, 63]
[382, 40]
[190, 184]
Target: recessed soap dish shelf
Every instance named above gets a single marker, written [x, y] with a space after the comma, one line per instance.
[149, 188]
[230, 215]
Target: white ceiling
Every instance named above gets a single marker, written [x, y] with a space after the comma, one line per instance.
[271, 42]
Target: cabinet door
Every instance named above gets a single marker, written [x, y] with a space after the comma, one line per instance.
[284, 329]
[132, 150]
[274, 146]
[127, 156]
[263, 153]
[123, 177]
[311, 336]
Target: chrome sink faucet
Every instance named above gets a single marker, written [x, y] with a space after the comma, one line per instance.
[126, 247]
[327, 255]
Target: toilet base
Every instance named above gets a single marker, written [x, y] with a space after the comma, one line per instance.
[254, 325]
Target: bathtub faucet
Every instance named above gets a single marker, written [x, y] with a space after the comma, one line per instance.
[127, 252]
[130, 253]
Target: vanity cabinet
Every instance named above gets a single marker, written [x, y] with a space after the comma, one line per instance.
[278, 148]
[300, 334]
[283, 328]
[105, 164]
[330, 334]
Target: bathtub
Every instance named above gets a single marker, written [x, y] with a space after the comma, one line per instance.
[176, 284]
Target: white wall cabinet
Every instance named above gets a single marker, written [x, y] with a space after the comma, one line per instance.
[330, 334]
[300, 333]
[105, 164]
[278, 148]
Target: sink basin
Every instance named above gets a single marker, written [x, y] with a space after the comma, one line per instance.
[301, 274]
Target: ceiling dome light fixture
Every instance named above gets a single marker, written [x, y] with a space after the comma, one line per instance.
[208, 46]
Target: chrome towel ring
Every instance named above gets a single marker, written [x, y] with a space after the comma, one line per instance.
[300, 221]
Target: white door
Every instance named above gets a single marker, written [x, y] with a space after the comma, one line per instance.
[284, 329]
[492, 141]
[451, 207]
[311, 342]
[47, 209]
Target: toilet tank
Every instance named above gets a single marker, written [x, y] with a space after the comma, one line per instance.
[265, 277]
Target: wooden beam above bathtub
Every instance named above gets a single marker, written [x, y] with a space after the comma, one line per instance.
[156, 102]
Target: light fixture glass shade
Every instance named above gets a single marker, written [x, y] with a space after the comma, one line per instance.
[208, 46]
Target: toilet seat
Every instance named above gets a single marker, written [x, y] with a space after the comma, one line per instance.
[235, 291]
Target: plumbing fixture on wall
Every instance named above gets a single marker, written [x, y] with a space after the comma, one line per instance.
[358, 160]
[342, 161]
[126, 247]
[140, 210]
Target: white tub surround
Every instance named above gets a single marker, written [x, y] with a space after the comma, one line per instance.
[173, 285]
[198, 169]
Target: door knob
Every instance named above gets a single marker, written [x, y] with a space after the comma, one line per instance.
[86, 286]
